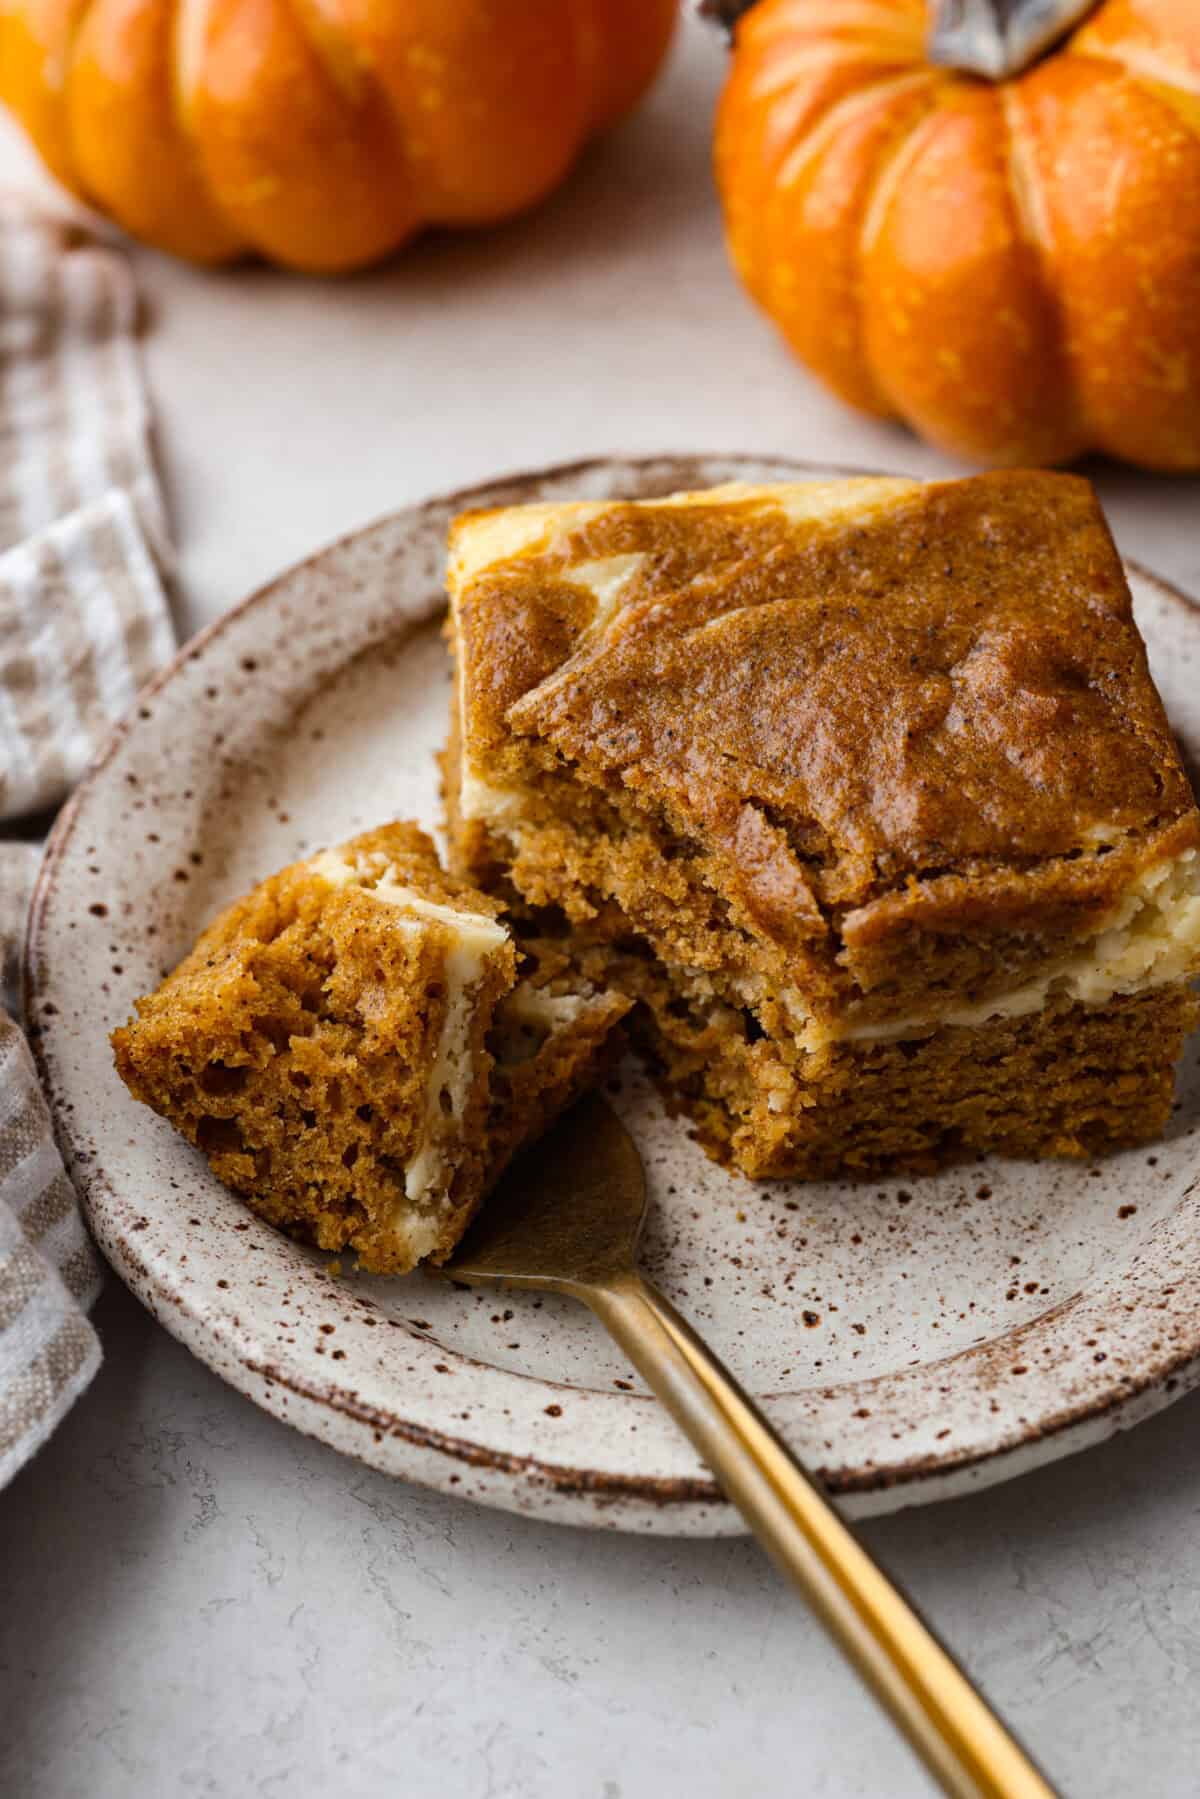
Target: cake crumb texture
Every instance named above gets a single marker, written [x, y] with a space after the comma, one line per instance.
[862, 790]
[294, 1046]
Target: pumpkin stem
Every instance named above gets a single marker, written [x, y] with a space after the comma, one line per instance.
[998, 38]
[724, 12]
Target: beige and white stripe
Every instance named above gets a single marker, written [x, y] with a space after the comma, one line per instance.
[49, 1270]
[83, 615]
[83, 623]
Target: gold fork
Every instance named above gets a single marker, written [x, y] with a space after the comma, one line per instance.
[568, 1218]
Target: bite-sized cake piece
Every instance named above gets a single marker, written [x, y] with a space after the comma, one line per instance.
[359, 1046]
[863, 787]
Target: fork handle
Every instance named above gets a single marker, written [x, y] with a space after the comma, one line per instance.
[962, 1742]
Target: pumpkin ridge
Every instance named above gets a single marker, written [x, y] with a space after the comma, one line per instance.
[1146, 66]
[324, 133]
[884, 186]
[188, 17]
[45, 118]
[1181, 94]
[296, 193]
[75, 28]
[900, 126]
[806, 156]
[186, 30]
[353, 73]
[1024, 179]
[956, 313]
[820, 131]
[1114, 298]
[1031, 215]
[347, 65]
[619, 81]
[353, 69]
[751, 253]
[782, 70]
[1011, 267]
[882, 182]
[886, 181]
[133, 157]
[860, 20]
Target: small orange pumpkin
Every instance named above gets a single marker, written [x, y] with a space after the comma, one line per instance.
[1011, 267]
[320, 133]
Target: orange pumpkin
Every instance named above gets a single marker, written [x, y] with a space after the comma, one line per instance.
[320, 133]
[1013, 268]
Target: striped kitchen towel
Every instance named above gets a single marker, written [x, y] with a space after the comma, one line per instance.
[83, 618]
[83, 622]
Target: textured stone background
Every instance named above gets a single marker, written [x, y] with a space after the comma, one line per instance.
[194, 1600]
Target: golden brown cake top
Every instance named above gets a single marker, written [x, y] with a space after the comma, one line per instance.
[847, 684]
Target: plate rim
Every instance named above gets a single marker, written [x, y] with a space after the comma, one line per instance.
[666, 1504]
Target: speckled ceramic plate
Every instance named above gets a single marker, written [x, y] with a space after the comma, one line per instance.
[912, 1340]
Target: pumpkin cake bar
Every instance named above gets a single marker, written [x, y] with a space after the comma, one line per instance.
[862, 789]
[359, 1047]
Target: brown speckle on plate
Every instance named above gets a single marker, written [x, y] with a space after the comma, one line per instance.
[264, 735]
